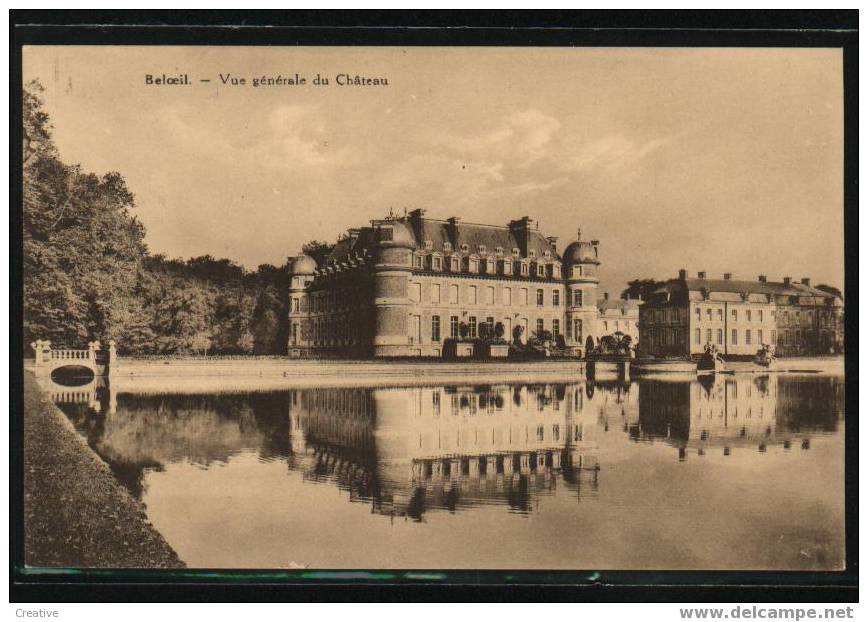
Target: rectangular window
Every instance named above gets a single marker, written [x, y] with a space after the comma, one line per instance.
[540, 269]
[556, 298]
[774, 336]
[435, 402]
[707, 335]
[489, 296]
[471, 295]
[759, 336]
[453, 294]
[720, 314]
[720, 336]
[708, 313]
[556, 327]
[698, 313]
[490, 321]
[540, 325]
[577, 271]
[524, 269]
[435, 293]
[747, 315]
[577, 298]
[734, 337]
[540, 297]
[453, 326]
[698, 336]
[415, 292]
[577, 330]
[507, 267]
[569, 330]
[507, 296]
[454, 265]
[735, 315]
[435, 328]
[747, 337]
[523, 300]
[436, 263]
[760, 315]
[471, 326]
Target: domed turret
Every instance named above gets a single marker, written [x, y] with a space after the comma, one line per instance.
[581, 252]
[304, 265]
[395, 234]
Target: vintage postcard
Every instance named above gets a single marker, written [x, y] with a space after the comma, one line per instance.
[448, 308]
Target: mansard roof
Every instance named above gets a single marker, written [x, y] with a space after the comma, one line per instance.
[490, 236]
[736, 286]
[439, 233]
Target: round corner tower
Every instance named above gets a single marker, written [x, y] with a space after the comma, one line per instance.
[393, 264]
[302, 270]
[581, 262]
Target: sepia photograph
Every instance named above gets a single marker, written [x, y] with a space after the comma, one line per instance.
[318, 309]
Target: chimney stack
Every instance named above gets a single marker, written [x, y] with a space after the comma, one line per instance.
[727, 276]
[452, 230]
[762, 278]
[806, 281]
[554, 242]
[788, 280]
[701, 274]
[520, 230]
[682, 274]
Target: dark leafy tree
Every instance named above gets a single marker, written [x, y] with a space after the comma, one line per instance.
[641, 288]
[831, 289]
[318, 250]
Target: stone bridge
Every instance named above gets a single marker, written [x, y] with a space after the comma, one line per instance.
[97, 359]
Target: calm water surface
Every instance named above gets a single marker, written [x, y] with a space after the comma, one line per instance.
[742, 472]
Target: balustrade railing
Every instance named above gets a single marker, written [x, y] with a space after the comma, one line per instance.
[70, 354]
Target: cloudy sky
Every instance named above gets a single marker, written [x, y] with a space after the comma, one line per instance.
[724, 160]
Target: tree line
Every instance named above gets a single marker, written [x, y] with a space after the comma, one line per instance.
[88, 273]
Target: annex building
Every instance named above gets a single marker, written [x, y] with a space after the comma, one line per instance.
[738, 317]
[405, 285]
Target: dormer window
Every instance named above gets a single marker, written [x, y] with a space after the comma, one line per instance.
[547, 254]
[473, 264]
[454, 264]
[490, 266]
[499, 250]
[482, 249]
[465, 248]
[507, 267]
[429, 245]
[531, 253]
[447, 246]
[556, 270]
[436, 262]
[524, 268]
[515, 252]
[417, 261]
[540, 269]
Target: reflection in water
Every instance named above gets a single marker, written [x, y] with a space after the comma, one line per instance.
[413, 451]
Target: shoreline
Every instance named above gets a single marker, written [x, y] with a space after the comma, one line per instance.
[76, 514]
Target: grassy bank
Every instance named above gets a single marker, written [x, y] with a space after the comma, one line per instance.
[76, 514]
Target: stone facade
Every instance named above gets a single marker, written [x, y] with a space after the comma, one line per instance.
[618, 316]
[405, 285]
[738, 317]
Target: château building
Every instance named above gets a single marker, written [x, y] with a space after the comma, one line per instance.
[618, 315]
[738, 317]
[404, 285]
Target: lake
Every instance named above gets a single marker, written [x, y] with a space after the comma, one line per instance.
[741, 472]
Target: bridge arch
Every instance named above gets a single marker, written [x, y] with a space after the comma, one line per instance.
[97, 359]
